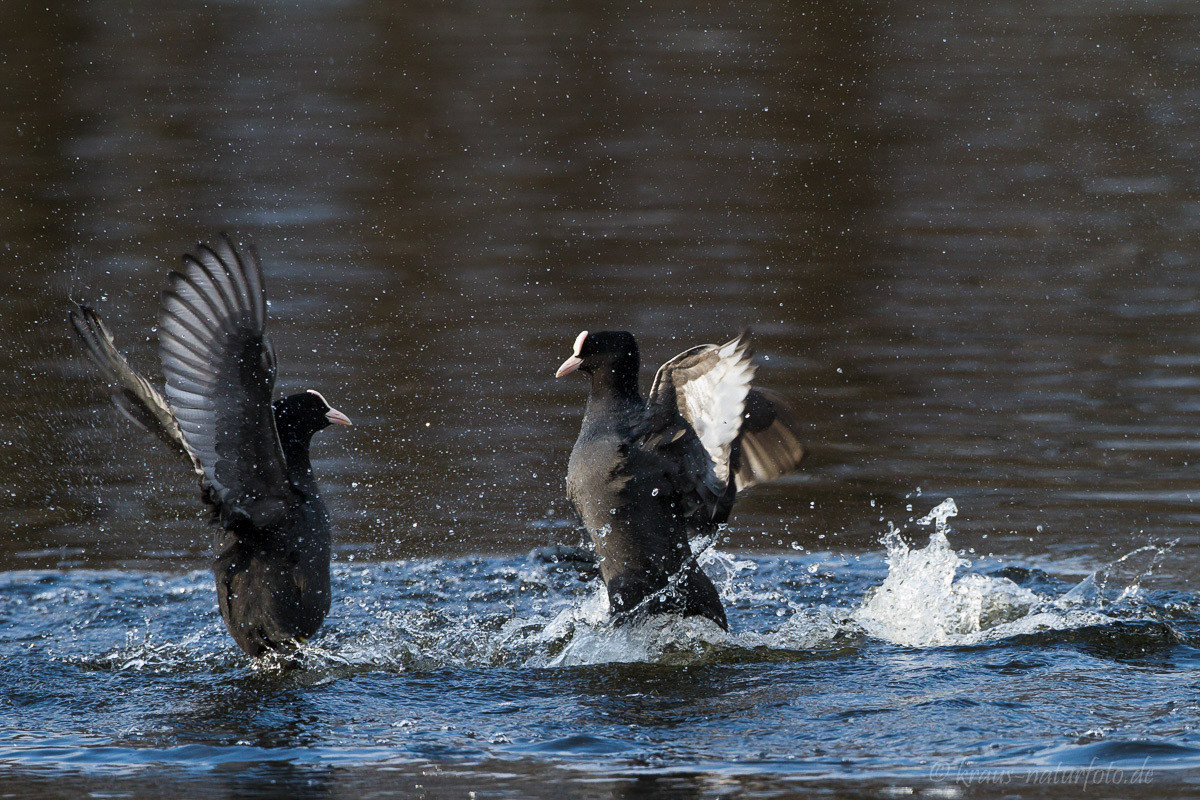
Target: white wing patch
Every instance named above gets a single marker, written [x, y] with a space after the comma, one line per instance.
[714, 401]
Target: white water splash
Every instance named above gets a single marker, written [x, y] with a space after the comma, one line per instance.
[925, 601]
[658, 638]
[920, 603]
[143, 652]
[929, 598]
[1118, 582]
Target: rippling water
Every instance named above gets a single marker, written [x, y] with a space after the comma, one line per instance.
[837, 668]
[965, 238]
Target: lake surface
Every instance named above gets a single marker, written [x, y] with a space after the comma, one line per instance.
[966, 241]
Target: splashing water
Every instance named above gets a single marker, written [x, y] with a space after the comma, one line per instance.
[477, 658]
[1118, 583]
[470, 613]
[921, 604]
[924, 601]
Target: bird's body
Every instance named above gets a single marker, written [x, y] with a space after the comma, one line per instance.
[251, 456]
[273, 584]
[627, 500]
[645, 475]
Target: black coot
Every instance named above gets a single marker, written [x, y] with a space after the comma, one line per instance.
[646, 475]
[272, 546]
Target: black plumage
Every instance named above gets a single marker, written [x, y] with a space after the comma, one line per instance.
[272, 546]
[644, 475]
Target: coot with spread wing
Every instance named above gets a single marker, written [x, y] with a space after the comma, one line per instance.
[644, 475]
[251, 455]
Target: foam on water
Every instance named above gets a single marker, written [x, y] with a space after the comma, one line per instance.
[929, 598]
[583, 633]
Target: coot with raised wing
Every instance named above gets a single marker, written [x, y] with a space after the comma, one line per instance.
[272, 546]
[645, 475]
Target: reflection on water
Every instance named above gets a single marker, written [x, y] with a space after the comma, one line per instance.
[965, 237]
[964, 241]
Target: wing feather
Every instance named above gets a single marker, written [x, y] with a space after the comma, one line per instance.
[135, 396]
[769, 445]
[220, 374]
[722, 434]
[707, 387]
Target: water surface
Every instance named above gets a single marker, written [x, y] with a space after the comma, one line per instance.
[965, 240]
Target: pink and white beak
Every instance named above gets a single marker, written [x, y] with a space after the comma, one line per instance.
[575, 361]
[337, 417]
[333, 415]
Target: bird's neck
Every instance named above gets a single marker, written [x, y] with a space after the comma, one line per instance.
[614, 393]
[299, 466]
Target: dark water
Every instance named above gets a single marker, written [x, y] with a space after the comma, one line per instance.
[966, 240]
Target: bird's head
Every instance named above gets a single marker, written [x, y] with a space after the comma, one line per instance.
[615, 350]
[302, 414]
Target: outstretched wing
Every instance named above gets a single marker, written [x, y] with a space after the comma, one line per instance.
[721, 434]
[220, 373]
[768, 445]
[707, 387]
[131, 392]
[695, 413]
